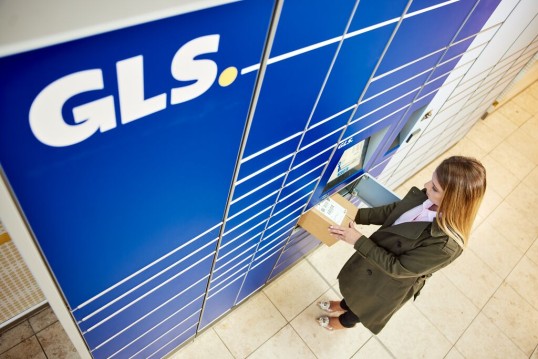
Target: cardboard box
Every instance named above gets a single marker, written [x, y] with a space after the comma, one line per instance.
[334, 210]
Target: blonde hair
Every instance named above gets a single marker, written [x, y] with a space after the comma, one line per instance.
[463, 180]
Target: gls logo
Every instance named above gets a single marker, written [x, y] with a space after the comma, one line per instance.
[46, 119]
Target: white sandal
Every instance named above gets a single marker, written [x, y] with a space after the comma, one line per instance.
[324, 322]
[326, 306]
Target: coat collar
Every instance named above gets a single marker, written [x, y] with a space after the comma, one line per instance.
[411, 229]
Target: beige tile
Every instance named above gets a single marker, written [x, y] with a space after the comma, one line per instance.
[535, 354]
[454, 354]
[514, 226]
[532, 180]
[409, 334]
[527, 102]
[493, 248]
[329, 260]
[484, 137]
[373, 349]
[524, 279]
[483, 340]
[326, 344]
[524, 200]
[465, 147]
[206, 346]
[511, 160]
[258, 317]
[446, 307]
[27, 349]
[283, 345]
[515, 317]
[473, 277]
[514, 113]
[531, 127]
[501, 125]
[15, 335]
[532, 253]
[525, 144]
[56, 343]
[498, 178]
[42, 319]
[490, 202]
[303, 279]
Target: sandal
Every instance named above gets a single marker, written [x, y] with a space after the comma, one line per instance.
[324, 323]
[325, 305]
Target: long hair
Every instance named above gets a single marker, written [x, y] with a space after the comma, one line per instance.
[463, 180]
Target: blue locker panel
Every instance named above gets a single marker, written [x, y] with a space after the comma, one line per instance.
[220, 301]
[432, 85]
[351, 71]
[425, 33]
[233, 248]
[382, 82]
[289, 90]
[286, 215]
[445, 68]
[248, 218]
[327, 127]
[290, 257]
[478, 18]
[299, 23]
[117, 131]
[233, 263]
[171, 339]
[302, 172]
[374, 12]
[257, 276]
[457, 49]
[237, 268]
[142, 334]
[104, 325]
[316, 154]
[264, 177]
[244, 234]
[180, 258]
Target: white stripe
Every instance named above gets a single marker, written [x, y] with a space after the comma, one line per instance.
[245, 242]
[147, 293]
[245, 159]
[313, 157]
[257, 188]
[253, 204]
[407, 64]
[291, 204]
[263, 169]
[426, 9]
[149, 313]
[245, 221]
[370, 28]
[373, 124]
[170, 341]
[226, 286]
[397, 85]
[306, 174]
[146, 281]
[286, 216]
[156, 325]
[146, 267]
[297, 190]
[331, 117]
[322, 138]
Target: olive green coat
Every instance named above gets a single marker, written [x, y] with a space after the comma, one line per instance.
[392, 265]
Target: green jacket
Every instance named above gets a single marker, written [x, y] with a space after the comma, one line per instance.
[392, 265]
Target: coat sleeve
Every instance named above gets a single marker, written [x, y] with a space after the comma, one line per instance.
[375, 215]
[416, 262]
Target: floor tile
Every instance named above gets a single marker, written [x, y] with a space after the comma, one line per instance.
[258, 317]
[490, 202]
[329, 260]
[409, 334]
[302, 279]
[532, 253]
[56, 343]
[512, 161]
[454, 354]
[373, 349]
[515, 317]
[501, 125]
[446, 307]
[27, 349]
[465, 147]
[484, 137]
[483, 340]
[323, 343]
[494, 249]
[527, 102]
[498, 178]
[514, 226]
[524, 200]
[15, 335]
[531, 180]
[531, 127]
[206, 346]
[514, 113]
[42, 319]
[284, 345]
[524, 279]
[473, 277]
[525, 144]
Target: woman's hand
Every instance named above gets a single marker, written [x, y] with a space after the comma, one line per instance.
[349, 234]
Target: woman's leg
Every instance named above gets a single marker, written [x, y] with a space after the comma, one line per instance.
[348, 319]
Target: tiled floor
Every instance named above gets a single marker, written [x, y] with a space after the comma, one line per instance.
[39, 337]
[485, 305]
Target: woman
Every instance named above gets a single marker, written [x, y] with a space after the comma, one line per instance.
[419, 235]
